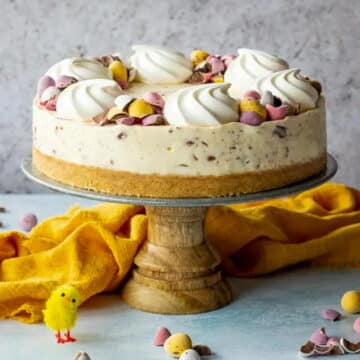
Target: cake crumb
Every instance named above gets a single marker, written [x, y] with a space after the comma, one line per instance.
[211, 158]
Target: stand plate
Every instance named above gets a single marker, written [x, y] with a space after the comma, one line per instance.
[176, 270]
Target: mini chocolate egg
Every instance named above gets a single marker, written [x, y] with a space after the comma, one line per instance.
[190, 354]
[356, 325]
[250, 118]
[49, 93]
[122, 101]
[251, 105]
[119, 70]
[350, 301]
[252, 94]
[63, 81]
[202, 350]
[155, 119]
[140, 108]
[154, 98]
[28, 221]
[43, 83]
[330, 314]
[197, 56]
[162, 333]
[176, 344]
[115, 111]
[128, 120]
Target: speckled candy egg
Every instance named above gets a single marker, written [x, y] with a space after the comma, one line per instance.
[176, 344]
[190, 355]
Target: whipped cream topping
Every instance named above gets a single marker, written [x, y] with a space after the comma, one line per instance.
[291, 88]
[159, 65]
[250, 65]
[202, 105]
[85, 99]
[80, 69]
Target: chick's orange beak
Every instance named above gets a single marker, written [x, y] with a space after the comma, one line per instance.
[68, 300]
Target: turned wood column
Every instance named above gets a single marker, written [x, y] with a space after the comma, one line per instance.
[176, 271]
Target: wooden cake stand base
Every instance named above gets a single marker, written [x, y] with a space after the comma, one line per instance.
[177, 271]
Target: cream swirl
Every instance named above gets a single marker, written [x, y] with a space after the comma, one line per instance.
[80, 69]
[159, 65]
[85, 99]
[202, 105]
[248, 67]
[290, 87]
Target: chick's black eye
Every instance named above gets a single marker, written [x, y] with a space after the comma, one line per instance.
[63, 294]
[73, 300]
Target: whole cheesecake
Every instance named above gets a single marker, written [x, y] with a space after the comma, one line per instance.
[162, 125]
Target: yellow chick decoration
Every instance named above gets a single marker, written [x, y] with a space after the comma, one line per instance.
[60, 312]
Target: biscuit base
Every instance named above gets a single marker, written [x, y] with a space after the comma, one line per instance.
[172, 186]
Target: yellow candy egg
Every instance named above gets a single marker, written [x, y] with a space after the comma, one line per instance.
[140, 108]
[119, 70]
[350, 301]
[218, 79]
[176, 344]
[251, 105]
[197, 56]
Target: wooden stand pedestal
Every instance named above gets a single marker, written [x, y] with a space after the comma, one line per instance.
[176, 271]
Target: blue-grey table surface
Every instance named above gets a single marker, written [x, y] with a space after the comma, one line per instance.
[269, 318]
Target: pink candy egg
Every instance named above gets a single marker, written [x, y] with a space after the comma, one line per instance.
[319, 337]
[356, 325]
[128, 120]
[43, 83]
[250, 118]
[162, 333]
[27, 221]
[330, 314]
[154, 98]
[153, 120]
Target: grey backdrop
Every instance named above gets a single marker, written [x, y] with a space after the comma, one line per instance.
[319, 36]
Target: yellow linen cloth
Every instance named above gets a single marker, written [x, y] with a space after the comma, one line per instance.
[94, 248]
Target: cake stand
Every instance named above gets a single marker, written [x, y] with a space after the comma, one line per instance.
[176, 271]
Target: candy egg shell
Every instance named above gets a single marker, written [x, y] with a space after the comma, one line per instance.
[267, 98]
[190, 355]
[227, 59]
[176, 344]
[154, 98]
[319, 337]
[197, 56]
[132, 74]
[49, 93]
[81, 355]
[128, 120]
[162, 333]
[123, 100]
[330, 314]
[155, 119]
[250, 118]
[114, 111]
[43, 83]
[350, 302]
[27, 221]
[277, 113]
[217, 65]
[140, 108]
[119, 70]
[63, 81]
[247, 105]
